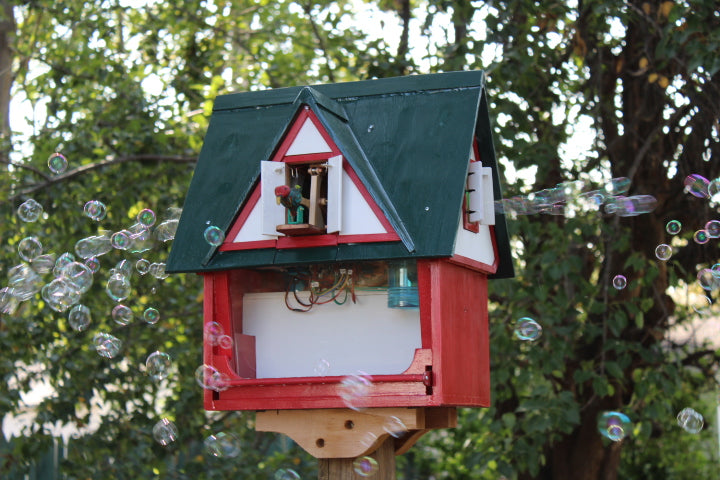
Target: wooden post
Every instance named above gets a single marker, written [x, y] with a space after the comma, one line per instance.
[343, 468]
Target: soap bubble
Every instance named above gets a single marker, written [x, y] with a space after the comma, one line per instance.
[95, 209]
[395, 427]
[635, 205]
[122, 315]
[79, 317]
[118, 287]
[707, 279]
[157, 270]
[210, 378]
[93, 246]
[107, 345]
[714, 190]
[142, 266]
[212, 332]
[353, 389]
[43, 263]
[286, 474]
[704, 306]
[663, 252]
[614, 425]
[29, 211]
[79, 275]
[690, 420]
[214, 235]
[62, 261]
[697, 186]
[165, 432]
[673, 227]
[701, 237]
[146, 217]
[225, 341]
[321, 367]
[618, 186]
[151, 315]
[8, 301]
[93, 264]
[124, 268]
[716, 269]
[713, 228]
[57, 163]
[140, 238]
[121, 240]
[365, 466]
[619, 282]
[527, 329]
[24, 281]
[60, 294]
[166, 230]
[222, 444]
[29, 248]
[158, 365]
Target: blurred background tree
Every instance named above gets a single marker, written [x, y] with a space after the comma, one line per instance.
[581, 91]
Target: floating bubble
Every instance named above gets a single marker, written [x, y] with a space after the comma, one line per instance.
[62, 261]
[673, 227]
[619, 282]
[121, 240]
[94, 246]
[286, 474]
[142, 266]
[714, 190]
[707, 279]
[528, 329]
[701, 237]
[93, 264]
[635, 205]
[222, 444]
[663, 252]
[322, 367]
[365, 466]
[118, 287]
[165, 432]
[124, 268]
[29, 211]
[158, 365]
[212, 332]
[166, 230]
[614, 425]
[210, 378]
[95, 209]
[24, 282]
[225, 341]
[60, 294]
[140, 238]
[57, 163]
[43, 263]
[79, 318]
[8, 301]
[122, 315]
[618, 186]
[29, 248]
[157, 270]
[146, 217]
[353, 389]
[716, 269]
[697, 186]
[690, 420]
[78, 274]
[107, 345]
[395, 427]
[704, 305]
[712, 228]
[151, 315]
[214, 235]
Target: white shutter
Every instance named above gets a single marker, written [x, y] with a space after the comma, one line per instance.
[488, 199]
[334, 194]
[272, 174]
[482, 200]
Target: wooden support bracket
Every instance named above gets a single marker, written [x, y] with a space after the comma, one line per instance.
[345, 433]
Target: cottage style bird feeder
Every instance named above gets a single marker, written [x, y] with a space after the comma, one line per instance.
[360, 234]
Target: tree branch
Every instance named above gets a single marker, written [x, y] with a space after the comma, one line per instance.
[307, 8]
[75, 172]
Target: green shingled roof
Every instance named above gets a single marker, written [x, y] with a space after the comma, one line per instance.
[407, 138]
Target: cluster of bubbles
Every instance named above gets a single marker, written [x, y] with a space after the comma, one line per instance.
[572, 198]
[527, 329]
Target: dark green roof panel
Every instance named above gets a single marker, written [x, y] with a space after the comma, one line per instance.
[407, 138]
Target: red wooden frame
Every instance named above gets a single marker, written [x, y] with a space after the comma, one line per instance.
[467, 224]
[452, 367]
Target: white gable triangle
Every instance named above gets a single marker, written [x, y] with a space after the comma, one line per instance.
[308, 140]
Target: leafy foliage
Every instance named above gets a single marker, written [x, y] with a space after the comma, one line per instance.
[125, 93]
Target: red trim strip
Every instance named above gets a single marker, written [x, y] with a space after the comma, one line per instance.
[241, 219]
[480, 266]
[368, 237]
[252, 245]
[304, 113]
[307, 241]
[236, 382]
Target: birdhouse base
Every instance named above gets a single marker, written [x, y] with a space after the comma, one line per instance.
[292, 230]
[345, 433]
